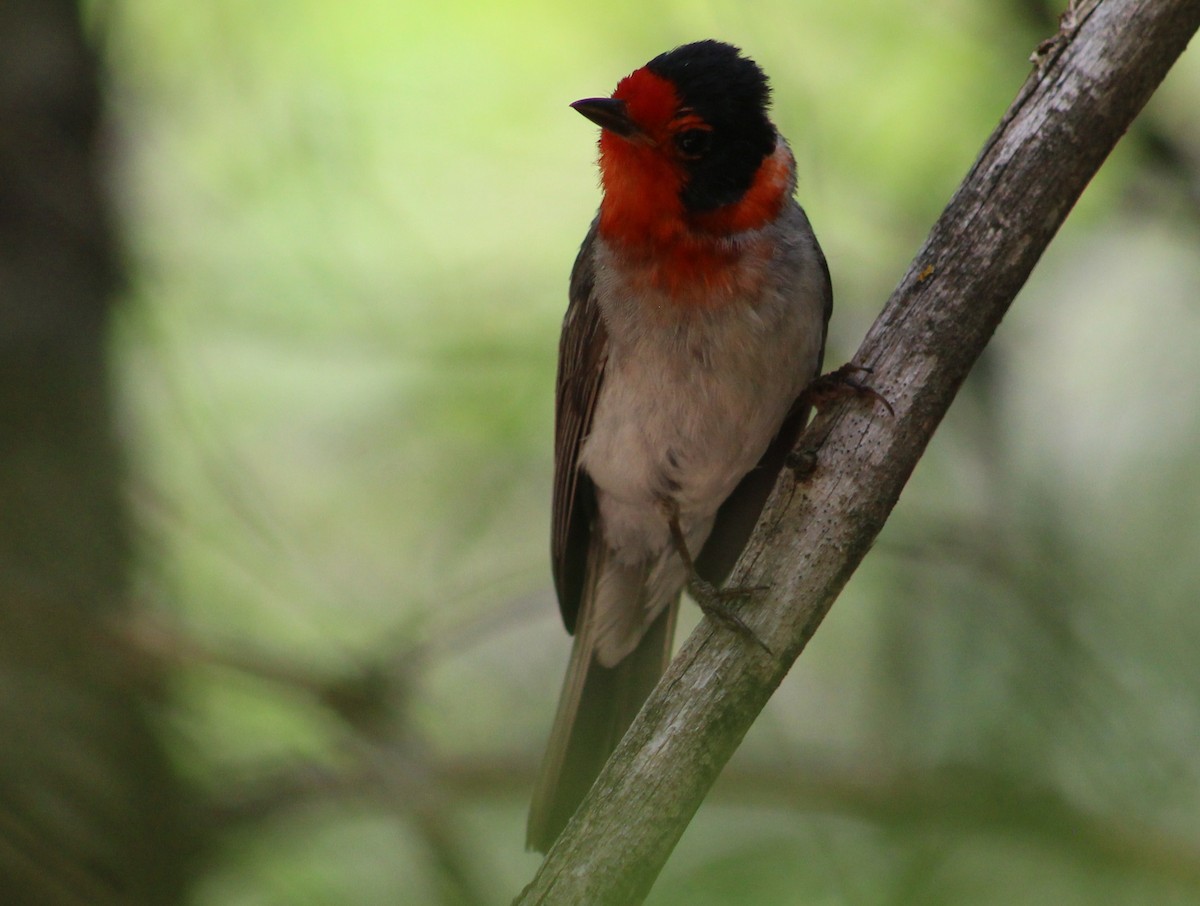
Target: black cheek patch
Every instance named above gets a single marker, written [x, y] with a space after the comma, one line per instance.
[730, 93]
[723, 176]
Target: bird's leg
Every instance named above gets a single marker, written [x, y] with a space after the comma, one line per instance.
[840, 384]
[711, 600]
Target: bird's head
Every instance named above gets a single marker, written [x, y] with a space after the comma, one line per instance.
[687, 148]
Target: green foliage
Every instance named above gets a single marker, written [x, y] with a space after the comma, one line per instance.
[350, 227]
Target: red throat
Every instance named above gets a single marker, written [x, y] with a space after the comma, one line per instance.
[643, 215]
[641, 178]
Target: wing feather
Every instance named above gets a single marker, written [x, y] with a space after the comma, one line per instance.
[582, 354]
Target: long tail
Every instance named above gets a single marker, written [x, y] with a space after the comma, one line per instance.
[595, 709]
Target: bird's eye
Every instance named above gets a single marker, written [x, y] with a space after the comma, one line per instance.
[693, 143]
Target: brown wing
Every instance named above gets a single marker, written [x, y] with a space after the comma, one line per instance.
[582, 353]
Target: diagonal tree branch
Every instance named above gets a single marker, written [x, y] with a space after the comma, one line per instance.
[1089, 83]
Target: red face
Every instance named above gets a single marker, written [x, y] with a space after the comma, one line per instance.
[688, 157]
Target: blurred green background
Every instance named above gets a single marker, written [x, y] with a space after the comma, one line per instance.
[349, 228]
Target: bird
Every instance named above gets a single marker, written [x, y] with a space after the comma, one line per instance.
[698, 309]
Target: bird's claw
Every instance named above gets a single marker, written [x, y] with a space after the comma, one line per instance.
[713, 603]
[840, 384]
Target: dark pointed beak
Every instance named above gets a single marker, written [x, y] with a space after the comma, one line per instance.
[610, 114]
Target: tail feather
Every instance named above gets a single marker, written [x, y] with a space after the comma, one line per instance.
[596, 708]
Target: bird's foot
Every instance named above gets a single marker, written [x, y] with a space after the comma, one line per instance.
[713, 601]
[841, 384]
[714, 604]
